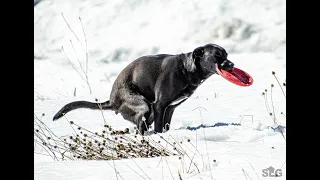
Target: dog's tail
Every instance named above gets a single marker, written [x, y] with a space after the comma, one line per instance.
[81, 104]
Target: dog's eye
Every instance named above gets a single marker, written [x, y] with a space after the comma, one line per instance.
[217, 55]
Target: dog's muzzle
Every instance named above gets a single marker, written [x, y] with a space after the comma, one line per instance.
[227, 65]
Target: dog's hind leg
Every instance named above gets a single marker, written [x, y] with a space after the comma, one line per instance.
[136, 110]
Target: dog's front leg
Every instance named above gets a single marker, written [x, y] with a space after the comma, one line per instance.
[168, 115]
[158, 110]
[167, 88]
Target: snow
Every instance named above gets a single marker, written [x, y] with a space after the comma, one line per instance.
[116, 33]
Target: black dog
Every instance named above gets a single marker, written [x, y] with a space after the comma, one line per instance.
[150, 88]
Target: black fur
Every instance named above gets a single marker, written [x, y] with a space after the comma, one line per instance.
[151, 87]
[81, 104]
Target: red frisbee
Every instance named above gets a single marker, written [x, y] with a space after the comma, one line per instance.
[237, 76]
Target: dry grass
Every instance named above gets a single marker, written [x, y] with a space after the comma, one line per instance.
[108, 144]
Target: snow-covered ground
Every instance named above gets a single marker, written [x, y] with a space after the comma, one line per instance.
[119, 31]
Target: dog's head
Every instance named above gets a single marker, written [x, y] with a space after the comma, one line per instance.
[210, 57]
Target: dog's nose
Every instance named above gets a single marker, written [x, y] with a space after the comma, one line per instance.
[231, 65]
[227, 65]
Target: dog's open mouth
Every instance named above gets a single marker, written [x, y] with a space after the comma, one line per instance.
[236, 76]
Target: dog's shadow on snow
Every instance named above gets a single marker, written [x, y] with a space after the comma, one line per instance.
[278, 128]
[192, 128]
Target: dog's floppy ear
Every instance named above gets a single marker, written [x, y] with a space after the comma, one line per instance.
[198, 52]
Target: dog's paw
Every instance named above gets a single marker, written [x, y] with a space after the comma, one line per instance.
[149, 132]
[132, 129]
